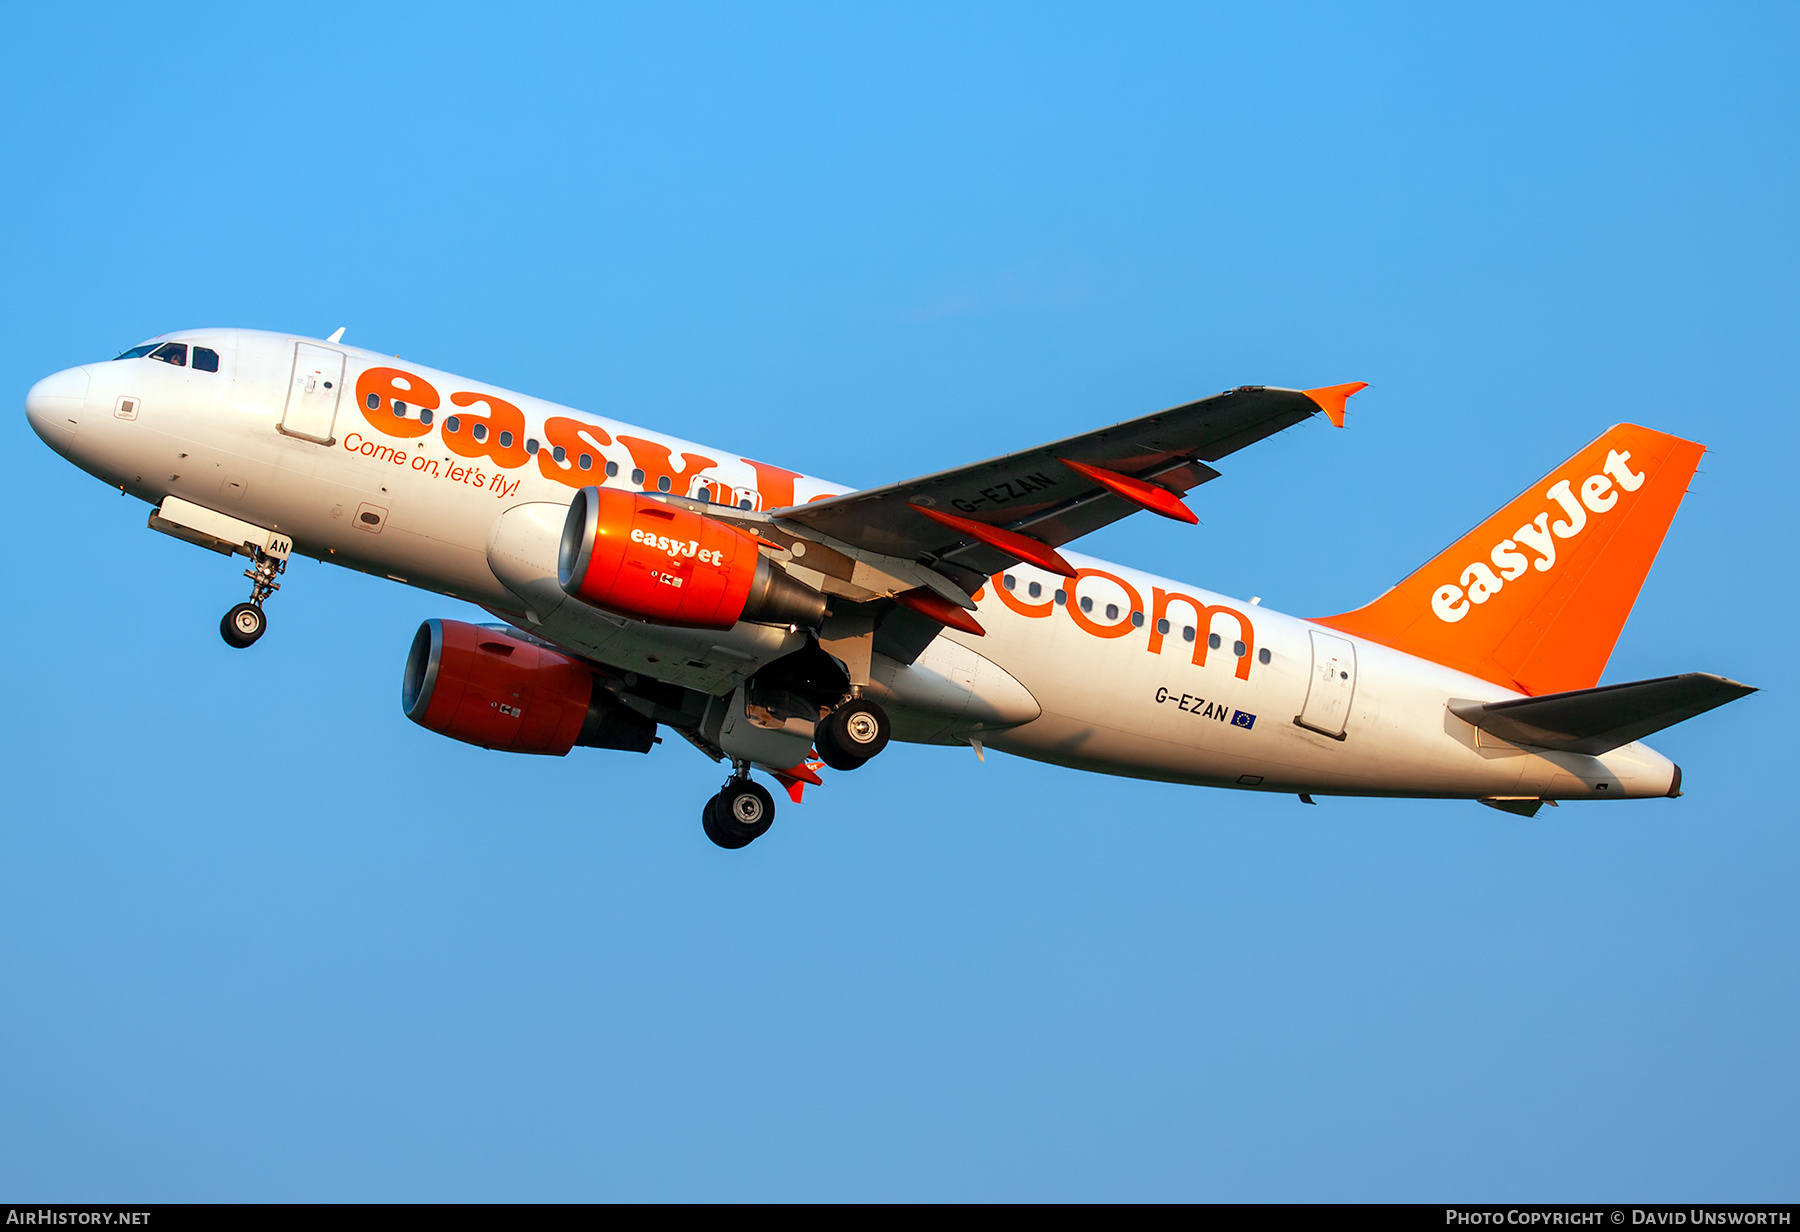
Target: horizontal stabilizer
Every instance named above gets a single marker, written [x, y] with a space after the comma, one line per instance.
[1598, 720]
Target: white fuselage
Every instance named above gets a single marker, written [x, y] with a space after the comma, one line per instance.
[1097, 688]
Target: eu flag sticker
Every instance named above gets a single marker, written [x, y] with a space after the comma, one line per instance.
[1245, 721]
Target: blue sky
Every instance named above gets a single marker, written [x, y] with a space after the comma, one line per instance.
[260, 937]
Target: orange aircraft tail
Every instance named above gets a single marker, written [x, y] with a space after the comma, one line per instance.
[1534, 598]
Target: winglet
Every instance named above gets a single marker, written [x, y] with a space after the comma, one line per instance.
[805, 773]
[1331, 399]
[796, 779]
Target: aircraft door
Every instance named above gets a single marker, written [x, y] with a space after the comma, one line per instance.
[312, 399]
[1332, 685]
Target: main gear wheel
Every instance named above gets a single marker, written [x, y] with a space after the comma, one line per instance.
[740, 814]
[852, 734]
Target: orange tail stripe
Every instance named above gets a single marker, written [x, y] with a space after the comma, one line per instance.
[1534, 598]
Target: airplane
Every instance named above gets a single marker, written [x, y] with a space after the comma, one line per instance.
[782, 623]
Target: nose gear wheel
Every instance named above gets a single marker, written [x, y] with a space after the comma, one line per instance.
[242, 625]
[246, 622]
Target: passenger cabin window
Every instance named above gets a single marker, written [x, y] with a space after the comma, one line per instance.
[207, 360]
[138, 352]
[171, 353]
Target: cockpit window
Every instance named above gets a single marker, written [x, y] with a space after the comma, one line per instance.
[137, 352]
[205, 359]
[171, 353]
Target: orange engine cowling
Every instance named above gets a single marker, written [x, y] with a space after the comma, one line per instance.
[662, 563]
[483, 686]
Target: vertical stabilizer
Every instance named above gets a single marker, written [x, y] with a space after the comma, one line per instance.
[1534, 598]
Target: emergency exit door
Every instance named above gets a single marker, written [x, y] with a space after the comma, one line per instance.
[1331, 687]
[312, 399]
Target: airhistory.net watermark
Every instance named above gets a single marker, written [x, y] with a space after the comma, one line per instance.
[51, 1217]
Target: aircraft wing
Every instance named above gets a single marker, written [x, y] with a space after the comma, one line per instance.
[1034, 493]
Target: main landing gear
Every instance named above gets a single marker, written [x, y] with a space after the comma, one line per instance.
[741, 813]
[743, 810]
[246, 622]
[852, 734]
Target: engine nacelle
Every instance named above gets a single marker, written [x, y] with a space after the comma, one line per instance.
[668, 565]
[489, 688]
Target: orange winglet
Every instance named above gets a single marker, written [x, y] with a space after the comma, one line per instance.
[796, 779]
[1143, 495]
[1331, 399]
[930, 603]
[1031, 551]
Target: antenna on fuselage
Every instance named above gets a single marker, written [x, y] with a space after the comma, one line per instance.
[337, 335]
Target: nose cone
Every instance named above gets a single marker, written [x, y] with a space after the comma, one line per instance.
[55, 403]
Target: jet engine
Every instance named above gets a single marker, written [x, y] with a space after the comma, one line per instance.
[487, 687]
[669, 565]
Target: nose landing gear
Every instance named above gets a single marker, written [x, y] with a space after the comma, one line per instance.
[742, 812]
[242, 625]
[246, 622]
